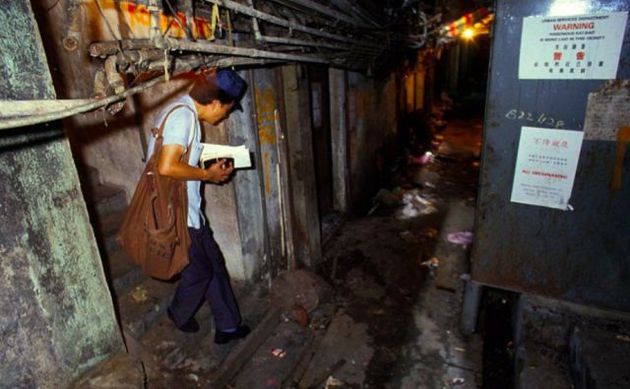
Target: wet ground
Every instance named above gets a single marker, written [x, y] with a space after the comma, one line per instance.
[397, 276]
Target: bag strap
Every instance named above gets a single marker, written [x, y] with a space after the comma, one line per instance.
[160, 130]
[159, 133]
[157, 149]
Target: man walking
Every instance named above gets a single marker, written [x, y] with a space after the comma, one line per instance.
[211, 99]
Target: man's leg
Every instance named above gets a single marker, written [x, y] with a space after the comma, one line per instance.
[194, 280]
[219, 293]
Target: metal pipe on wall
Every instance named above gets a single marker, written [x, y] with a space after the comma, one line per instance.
[104, 49]
[255, 26]
[77, 107]
[211, 48]
[237, 7]
[302, 42]
[322, 9]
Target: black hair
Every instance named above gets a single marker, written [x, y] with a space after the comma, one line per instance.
[205, 90]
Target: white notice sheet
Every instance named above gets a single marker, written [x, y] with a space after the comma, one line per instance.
[545, 167]
[576, 47]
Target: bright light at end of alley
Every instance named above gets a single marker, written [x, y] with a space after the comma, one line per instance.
[468, 33]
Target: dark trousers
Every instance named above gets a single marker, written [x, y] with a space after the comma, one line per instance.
[205, 276]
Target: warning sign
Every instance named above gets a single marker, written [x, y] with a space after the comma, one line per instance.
[545, 167]
[574, 47]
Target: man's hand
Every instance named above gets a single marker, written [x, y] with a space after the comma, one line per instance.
[219, 172]
[170, 165]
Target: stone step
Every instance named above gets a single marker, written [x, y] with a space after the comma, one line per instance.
[104, 200]
[142, 306]
[600, 358]
[276, 359]
[122, 272]
[108, 224]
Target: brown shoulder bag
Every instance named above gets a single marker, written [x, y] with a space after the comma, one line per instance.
[154, 231]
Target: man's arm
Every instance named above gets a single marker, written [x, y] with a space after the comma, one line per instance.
[170, 165]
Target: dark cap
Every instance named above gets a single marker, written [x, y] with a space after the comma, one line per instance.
[232, 85]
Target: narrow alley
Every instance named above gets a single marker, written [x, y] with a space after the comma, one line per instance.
[391, 315]
[315, 194]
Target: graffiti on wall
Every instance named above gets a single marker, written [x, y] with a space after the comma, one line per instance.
[131, 20]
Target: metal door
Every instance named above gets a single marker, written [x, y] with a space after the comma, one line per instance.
[581, 255]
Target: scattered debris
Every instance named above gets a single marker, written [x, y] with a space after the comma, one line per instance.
[424, 159]
[333, 382]
[278, 352]
[299, 315]
[460, 349]
[463, 238]
[624, 338]
[415, 205]
[457, 381]
[427, 233]
[299, 287]
[430, 232]
[432, 263]
[140, 294]
[407, 235]
[391, 198]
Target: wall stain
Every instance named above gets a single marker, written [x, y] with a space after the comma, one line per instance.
[265, 107]
[138, 18]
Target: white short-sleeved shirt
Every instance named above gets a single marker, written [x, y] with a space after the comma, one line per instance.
[182, 128]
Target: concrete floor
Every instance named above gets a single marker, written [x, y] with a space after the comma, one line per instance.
[393, 320]
[397, 324]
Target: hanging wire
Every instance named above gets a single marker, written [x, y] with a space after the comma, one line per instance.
[111, 30]
[185, 29]
[109, 26]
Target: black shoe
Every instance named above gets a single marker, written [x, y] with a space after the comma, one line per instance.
[190, 326]
[222, 337]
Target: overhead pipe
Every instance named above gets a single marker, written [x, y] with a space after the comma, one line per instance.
[17, 108]
[107, 48]
[302, 42]
[211, 48]
[322, 9]
[249, 11]
[255, 26]
[138, 58]
[104, 49]
[78, 106]
[358, 12]
[196, 61]
[291, 41]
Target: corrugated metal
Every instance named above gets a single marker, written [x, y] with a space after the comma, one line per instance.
[583, 255]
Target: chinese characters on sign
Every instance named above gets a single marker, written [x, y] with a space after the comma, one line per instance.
[573, 47]
[545, 167]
